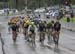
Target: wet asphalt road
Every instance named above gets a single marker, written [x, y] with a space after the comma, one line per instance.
[66, 43]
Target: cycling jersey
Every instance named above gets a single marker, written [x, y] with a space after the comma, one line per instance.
[41, 27]
[49, 26]
[57, 26]
[32, 29]
[14, 28]
[26, 23]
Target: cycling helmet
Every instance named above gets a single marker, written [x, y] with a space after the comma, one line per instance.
[32, 23]
[52, 21]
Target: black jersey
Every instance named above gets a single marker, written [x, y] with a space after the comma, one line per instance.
[57, 26]
[14, 27]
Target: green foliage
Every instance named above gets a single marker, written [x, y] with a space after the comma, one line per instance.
[64, 19]
[32, 4]
[19, 4]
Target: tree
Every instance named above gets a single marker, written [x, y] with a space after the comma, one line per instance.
[12, 4]
[32, 4]
[20, 4]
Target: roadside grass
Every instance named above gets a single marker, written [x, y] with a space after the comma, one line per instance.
[64, 19]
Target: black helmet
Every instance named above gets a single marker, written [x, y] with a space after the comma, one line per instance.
[52, 21]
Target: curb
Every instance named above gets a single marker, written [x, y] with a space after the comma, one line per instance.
[73, 30]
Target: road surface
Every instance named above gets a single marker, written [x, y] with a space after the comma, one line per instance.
[66, 43]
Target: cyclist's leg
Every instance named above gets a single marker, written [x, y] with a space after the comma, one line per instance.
[58, 38]
[51, 37]
[54, 37]
[15, 36]
[33, 39]
[40, 36]
[43, 36]
[27, 36]
[25, 33]
[17, 28]
[48, 36]
[20, 28]
[14, 33]
[52, 34]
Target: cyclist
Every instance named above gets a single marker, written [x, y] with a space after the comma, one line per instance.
[14, 32]
[42, 32]
[49, 31]
[32, 33]
[56, 33]
[26, 23]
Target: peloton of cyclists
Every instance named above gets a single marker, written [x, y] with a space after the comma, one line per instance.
[51, 28]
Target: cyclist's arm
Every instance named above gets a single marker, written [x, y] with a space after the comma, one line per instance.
[29, 29]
